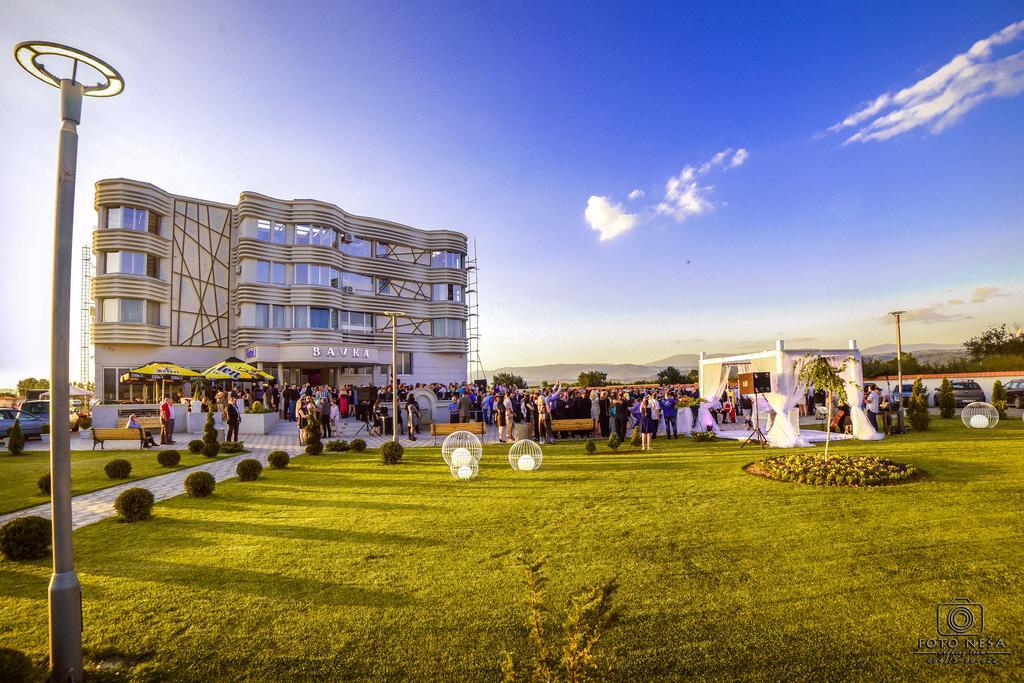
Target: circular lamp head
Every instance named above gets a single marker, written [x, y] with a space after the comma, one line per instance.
[29, 52]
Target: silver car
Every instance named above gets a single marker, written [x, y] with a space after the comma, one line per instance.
[31, 426]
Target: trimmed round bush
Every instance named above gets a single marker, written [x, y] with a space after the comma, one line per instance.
[358, 445]
[249, 469]
[118, 469]
[25, 538]
[337, 446]
[135, 504]
[815, 468]
[211, 449]
[278, 460]
[195, 446]
[314, 448]
[15, 666]
[199, 484]
[168, 458]
[391, 452]
[44, 484]
[232, 447]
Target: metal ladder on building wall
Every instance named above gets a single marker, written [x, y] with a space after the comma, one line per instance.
[475, 368]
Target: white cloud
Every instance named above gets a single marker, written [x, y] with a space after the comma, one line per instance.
[983, 294]
[686, 195]
[609, 219]
[942, 98]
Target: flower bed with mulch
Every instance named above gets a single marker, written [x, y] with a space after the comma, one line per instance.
[815, 468]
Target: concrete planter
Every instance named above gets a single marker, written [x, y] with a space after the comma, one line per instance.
[258, 423]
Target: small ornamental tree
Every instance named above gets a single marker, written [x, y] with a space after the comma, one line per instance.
[15, 439]
[591, 446]
[917, 407]
[614, 441]
[999, 398]
[313, 444]
[818, 371]
[634, 440]
[210, 446]
[947, 401]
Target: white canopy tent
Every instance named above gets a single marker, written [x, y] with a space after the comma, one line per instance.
[786, 391]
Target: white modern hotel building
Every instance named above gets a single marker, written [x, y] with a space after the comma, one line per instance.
[296, 287]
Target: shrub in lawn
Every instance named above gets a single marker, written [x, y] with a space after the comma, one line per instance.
[336, 446]
[703, 437]
[199, 484]
[591, 446]
[313, 444]
[25, 538]
[168, 458]
[118, 469]
[391, 452]
[614, 442]
[358, 445]
[816, 468]
[947, 401]
[278, 460]
[634, 440]
[15, 666]
[917, 407]
[210, 446]
[249, 469]
[999, 398]
[232, 447]
[44, 484]
[15, 439]
[195, 446]
[135, 504]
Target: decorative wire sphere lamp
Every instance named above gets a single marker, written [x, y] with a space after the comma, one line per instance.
[467, 471]
[460, 446]
[525, 456]
[980, 415]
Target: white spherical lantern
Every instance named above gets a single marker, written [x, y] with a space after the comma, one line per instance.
[980, 415]
[465, 472]
[461, 457]
[525, 456]
[462, 443]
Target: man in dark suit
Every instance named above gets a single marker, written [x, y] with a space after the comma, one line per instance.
[234, 420]
[465, 407]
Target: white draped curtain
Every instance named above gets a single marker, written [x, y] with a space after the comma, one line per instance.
[786, 393]
[854, 378]
[708, 378]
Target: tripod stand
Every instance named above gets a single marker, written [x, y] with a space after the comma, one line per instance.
[756, 436]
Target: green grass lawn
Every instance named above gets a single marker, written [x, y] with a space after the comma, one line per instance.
[341, 568]
[19, 473]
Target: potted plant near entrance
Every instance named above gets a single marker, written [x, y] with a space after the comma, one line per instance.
[258, 419]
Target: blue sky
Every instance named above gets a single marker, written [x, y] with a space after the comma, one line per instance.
[504, 120]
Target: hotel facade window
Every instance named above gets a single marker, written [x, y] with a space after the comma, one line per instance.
[239, 279]
[355, 246]
[271, 231]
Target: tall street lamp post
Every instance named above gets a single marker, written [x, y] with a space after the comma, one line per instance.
[899, 370]
[65, 592]
[394, 315]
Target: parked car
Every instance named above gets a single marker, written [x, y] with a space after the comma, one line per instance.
[908, 389]
[1015, 393]
[31, 426]
[41, 410]
[964, 391]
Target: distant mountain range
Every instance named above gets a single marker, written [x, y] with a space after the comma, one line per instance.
[632, 372]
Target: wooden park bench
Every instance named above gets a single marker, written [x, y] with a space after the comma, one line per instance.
[101, 434]
[585, 424]
[445, 428]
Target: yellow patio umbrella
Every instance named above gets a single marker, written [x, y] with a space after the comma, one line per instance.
[235, 370]
[159, 371]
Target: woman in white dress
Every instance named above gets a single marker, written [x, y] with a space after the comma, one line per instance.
[595, 408]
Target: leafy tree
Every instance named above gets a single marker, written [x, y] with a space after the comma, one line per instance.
[15, 439]
[817, 370]
[508, 379]
[29, 383]
[670, 375]
[313, 444]
[592, 378]
[692, 377]
[999, 398]
[917, 407]
[996, 341]
[947, 401]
